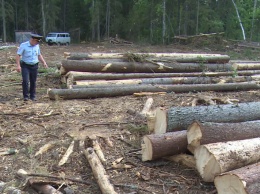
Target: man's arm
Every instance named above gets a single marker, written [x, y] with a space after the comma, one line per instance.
[40, 57]
[18, 65]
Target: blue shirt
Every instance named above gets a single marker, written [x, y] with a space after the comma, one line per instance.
[29, 53]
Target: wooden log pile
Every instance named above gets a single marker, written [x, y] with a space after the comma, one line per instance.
[93, 75]
[221, 141]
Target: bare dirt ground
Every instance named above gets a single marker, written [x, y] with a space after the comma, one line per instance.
[28, 126]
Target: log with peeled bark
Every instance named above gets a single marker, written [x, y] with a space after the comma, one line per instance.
[164, 81]
[216, 158]
[120, 66]
[245, 180]
[98, 55]
[156, 146]
[254, 65]
[99, 172]
[97, 92]
[177, 57]
[179, 118]
[73, 76]
[200, 133]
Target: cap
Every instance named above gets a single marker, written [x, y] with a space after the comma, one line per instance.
[36, 36]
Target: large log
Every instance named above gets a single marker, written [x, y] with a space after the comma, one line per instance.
[199, 133]
[179, 118]
[216, 158]
[119, 66]
[73, 76]
[84, 93]
[177, 57]
[245, 180]
[97, 55]
[164, 81]
[246, 65]
[161, 145]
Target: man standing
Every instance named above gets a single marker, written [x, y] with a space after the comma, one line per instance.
[27, 59]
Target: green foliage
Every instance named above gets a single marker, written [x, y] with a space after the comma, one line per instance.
[138, 129]
[137, 20]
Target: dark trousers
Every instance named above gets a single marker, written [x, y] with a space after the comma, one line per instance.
[29, 75]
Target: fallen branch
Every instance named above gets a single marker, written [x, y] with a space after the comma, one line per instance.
[67, 154]
[99, 172]
[24, 174]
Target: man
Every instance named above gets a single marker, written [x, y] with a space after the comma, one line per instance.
[27, 59]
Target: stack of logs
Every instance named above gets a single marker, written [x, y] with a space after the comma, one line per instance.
[221, 141]
[92, 75]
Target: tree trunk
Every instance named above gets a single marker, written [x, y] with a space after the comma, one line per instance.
[179, 118]
[99, 172]
[160, 145]
[200, 133]
[214, 159]
[96, 92]
[243, 180]
[239, 19]
[119, 66]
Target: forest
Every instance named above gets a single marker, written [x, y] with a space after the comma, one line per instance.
[144, 21]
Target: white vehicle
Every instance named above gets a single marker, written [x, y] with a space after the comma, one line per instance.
[58, 38]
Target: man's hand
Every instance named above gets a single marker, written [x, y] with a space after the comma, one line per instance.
[18, 68]
[45, 65]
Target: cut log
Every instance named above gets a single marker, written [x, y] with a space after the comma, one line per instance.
[99, 172]
[73, 76]
[179, 118]
[177, 57]
[179, 80]
[115, 65]
[245, 180]
[161, 145]
[216, 158]
[246, 65]
[121, 55]
[129, 90]
[200, 133]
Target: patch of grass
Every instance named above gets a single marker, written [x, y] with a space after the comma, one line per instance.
[246, 54]
[46, 71]
[138, 129]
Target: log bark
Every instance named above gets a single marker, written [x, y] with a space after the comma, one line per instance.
[96, 92]
[161, 145]
[216, 158]
[200, 133]
[99, 172]
[245, 180]
[119, 66]
[179, 118]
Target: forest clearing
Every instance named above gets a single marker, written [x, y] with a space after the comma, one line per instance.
[53, 143]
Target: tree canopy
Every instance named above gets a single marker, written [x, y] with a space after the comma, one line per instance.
[152, 21]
